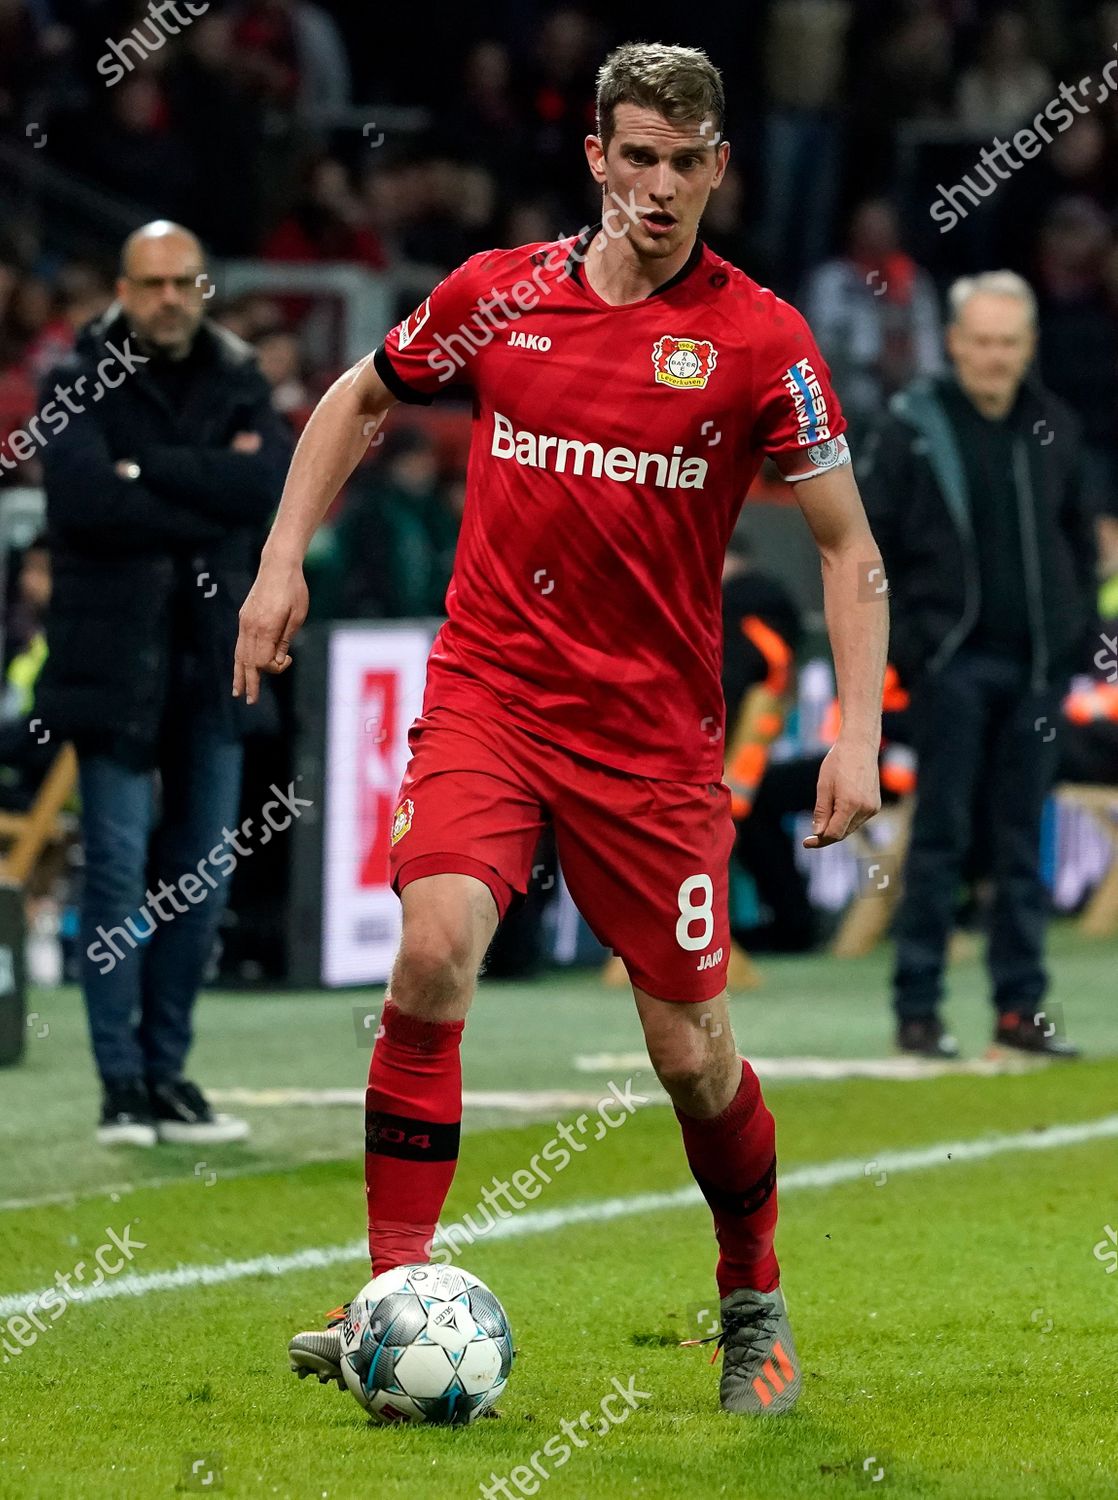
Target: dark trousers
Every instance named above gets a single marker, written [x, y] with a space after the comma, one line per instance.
[985, 741]
[765, 848]
[141, 970]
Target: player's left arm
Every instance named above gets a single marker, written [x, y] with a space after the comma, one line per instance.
[857, 614]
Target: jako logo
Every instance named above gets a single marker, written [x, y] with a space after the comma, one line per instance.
[710, 960]
[568, 455]
[809, 403]
[538, 341]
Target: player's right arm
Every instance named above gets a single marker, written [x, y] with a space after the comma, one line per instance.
[412, 365]
[339, 432]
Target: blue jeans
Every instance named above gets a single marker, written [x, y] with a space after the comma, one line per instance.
[145, 945]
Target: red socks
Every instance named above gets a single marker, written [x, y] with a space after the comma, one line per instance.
[413, 1119]
[733, 1159]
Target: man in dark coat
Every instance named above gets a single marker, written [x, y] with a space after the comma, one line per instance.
[975, 489]
[165, 468]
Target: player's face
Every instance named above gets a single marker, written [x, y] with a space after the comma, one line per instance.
[657, 177]
[991, 345]
[160, 292]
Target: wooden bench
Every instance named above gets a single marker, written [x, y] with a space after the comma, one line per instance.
[28, 834]
[867, 918]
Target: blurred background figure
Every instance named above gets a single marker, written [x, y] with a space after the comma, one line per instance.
[976, 492]
[804, 61]
[875, 313]
[1007, 83]
[157, 494]
[25, 755]
[396, 535]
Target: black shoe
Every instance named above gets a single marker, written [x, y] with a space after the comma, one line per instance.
[183, 1115]
[924, 1036]
[1025, 1034]
[126, 1118]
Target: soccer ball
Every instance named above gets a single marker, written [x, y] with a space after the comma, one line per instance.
[426, 1344]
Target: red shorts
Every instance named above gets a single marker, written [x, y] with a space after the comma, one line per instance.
[646, 861]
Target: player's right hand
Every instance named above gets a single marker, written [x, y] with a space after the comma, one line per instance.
[269, 618]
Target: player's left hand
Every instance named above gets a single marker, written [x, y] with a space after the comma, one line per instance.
[849, 792]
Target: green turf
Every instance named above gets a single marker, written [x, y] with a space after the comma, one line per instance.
[955, 1327]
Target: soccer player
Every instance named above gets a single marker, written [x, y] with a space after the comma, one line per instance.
[626, 385]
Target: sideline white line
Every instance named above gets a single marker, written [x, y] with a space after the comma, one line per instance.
[517, 1101]
[546, 1221]
[835, 1069]
[525, 1105]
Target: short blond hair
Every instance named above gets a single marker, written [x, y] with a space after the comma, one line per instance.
[680, 83]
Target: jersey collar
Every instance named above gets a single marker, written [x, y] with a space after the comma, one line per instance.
[577, 254]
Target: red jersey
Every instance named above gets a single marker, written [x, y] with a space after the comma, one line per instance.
[612, 449]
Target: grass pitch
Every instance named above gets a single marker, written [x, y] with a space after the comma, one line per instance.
[957, 1328]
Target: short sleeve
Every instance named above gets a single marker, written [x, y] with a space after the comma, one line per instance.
[433, 348]
[799, 423]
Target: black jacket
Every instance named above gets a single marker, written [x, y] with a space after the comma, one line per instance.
[149, 574]
[916, 496]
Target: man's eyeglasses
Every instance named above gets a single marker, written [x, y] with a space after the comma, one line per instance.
[156, 283]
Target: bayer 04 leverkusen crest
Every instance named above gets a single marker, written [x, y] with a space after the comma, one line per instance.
[684, 363]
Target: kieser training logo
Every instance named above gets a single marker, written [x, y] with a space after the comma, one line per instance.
[808, 402]
[401, 822]
[684, 363]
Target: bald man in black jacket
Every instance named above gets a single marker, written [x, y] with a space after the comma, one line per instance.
[159, 484]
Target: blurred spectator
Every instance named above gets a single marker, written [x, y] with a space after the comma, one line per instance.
[251, 316]
[397, 533]
[529, 222]
[1079, 329]
[128, 145]
[281, 366]
[1079, 164]
[724, 222]
[327, 223]
[1007, 84]
[803, 135]
[454, 217]
[25, 756]
[762, 630]
[987, 543]
[909, 52]
[487, 124]
[1089, 742]
[292, 54]
[222, 119]
[875, 315]
[24, 623]
[81, 293]
[560, 106]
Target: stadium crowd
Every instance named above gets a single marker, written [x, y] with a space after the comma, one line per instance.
[286, 131]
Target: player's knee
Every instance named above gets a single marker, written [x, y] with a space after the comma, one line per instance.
[435, 968]
[695, 1066]
[682, 1064]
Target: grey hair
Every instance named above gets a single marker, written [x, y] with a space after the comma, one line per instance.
[999, 283]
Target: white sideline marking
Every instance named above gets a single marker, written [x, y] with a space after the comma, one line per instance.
[524, 1103]
[545, 1221]
[830, 1069]
[515, 1100]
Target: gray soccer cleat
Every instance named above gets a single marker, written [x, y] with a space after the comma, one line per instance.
[320, 1353]
[760, 1370]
